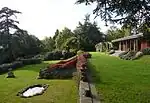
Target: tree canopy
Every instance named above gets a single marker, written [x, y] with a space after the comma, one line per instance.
[115, 33]
[131, 12]
[7, 22]
[62, 38]
[88, 34]
[18, 43]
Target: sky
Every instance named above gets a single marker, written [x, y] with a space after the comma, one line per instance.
[42, 17]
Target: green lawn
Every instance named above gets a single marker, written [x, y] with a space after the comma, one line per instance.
[59, 91]
[121, 81]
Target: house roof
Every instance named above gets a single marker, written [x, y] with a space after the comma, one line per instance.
[128, 37]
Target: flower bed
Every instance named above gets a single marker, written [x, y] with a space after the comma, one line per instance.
[64, 69]
[60, 70]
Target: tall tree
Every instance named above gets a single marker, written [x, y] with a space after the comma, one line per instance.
[56, 34]
[131, 12]
[72, 43]
[7, 23]
[62, 38]
[22, 44]
[88, 34]
[49, 44]
[115, 33]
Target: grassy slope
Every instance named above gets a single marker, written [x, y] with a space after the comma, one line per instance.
[121, 81]
[59, 91]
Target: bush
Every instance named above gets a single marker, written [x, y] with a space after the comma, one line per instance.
[48, 56]
[53, 55]
[57, 73]
[146, 51]
[73, 50]
[30, 61]
[57, 55]
[70, 54]
[39, 56]
[80, 52]
[4, 67]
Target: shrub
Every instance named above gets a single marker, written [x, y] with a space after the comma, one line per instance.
[30, 61]
[57, 55]
[39, 56]
[48, 56]
[4, 67]
[80, 52]
[146, 51]
[57, 73]
[70, 54]
[73, 50]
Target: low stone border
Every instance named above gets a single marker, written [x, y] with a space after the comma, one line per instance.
[45, 86]
[87, 90]
[95, 96]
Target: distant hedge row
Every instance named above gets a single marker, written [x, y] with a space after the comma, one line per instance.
[17, 64]
[57, 55]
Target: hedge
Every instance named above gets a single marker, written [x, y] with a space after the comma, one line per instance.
[30, 61]
[57, 55]
[17, 64]
[4, 67]
[146, 51]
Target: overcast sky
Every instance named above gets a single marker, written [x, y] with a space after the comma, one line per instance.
[42, 17]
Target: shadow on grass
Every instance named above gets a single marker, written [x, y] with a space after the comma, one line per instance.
[94, 73]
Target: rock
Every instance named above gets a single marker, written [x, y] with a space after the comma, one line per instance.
[10, 74]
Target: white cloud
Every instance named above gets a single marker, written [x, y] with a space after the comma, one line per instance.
[43, 17]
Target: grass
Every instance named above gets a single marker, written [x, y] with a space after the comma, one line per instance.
[121, 81]
[59, 91]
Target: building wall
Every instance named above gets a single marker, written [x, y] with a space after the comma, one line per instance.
[145, 44]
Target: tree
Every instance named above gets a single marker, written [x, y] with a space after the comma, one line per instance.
[115, 33]
[7, 23]
[145, 29]
[56, 34]
[72, 43]
[62, 38]
[131, 12]
[24, 44]
[88, 34]
[49, 44]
